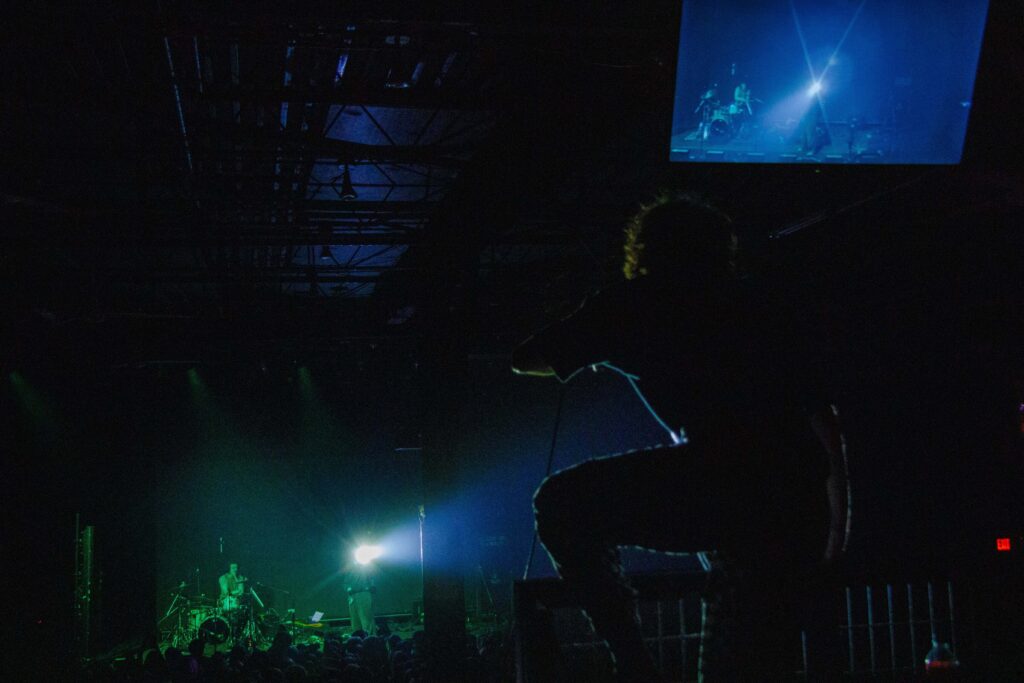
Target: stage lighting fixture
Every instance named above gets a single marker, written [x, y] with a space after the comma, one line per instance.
[365, 554]
[814, 89]
[348, 192]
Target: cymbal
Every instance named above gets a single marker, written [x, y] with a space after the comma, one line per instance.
[202, 600]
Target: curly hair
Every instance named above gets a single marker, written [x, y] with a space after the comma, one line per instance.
[678, 228]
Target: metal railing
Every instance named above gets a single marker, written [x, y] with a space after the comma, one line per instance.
[886, 633]
[889, 628]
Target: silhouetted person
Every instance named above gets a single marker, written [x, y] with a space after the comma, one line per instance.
[813, 129]
[758, 472]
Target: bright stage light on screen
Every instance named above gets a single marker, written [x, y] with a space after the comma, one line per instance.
[820, 64]
[365, 554]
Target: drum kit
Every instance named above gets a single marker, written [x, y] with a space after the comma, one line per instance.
[728, 122]
[232, 619]
[721, 123]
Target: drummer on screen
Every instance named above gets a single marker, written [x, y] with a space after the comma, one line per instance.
[231, 587]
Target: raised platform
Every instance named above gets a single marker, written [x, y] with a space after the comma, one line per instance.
[759, 145]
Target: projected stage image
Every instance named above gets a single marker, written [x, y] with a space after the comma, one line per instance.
[840, 81]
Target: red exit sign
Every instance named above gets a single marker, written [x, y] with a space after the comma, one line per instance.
[1003, 545]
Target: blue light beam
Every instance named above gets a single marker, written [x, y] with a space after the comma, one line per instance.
[803, 41]
[832, 60]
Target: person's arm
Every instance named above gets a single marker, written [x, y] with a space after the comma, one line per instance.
[528, 359]
[588, 335]
[826, 426]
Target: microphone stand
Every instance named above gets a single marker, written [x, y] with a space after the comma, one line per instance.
[255, 595]
[278, 590]
[250, 631]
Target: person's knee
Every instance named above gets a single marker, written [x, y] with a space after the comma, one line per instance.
[552, 510]
[552, 499]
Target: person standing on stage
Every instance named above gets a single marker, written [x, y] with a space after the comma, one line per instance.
[813, 130]
[361, 591]
[756, 469]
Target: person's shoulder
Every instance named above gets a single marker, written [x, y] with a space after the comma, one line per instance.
[620, 294]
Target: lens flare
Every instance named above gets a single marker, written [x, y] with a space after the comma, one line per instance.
[365, 554]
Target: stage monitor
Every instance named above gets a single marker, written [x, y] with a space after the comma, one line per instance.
[826, 81]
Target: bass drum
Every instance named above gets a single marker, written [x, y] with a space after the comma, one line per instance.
[721, 128]
[721, 124]
[215, 630]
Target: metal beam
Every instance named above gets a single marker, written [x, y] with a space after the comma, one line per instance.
[248, 276]
[314, 32]
[397, 208]
[228, 141]
[356, 94]
[256, 240]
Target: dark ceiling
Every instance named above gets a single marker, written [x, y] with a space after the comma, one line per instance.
[181, 180]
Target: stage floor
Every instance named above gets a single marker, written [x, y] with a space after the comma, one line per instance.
[762, 145]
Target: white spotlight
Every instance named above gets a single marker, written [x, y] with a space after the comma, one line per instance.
[814, 89]
[365, 554]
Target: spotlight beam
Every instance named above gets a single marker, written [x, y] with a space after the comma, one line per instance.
[849, 27]
[803, 41]
[816, 81]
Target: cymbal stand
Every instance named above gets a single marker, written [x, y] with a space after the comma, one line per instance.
[182, 633]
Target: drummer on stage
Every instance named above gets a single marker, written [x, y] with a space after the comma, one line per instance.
[741, 100]
[231, 588]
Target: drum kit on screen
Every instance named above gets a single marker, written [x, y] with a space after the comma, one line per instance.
[228, 620]
[726, 123]
[721, 122]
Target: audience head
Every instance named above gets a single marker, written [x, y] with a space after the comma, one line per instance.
[678, 237]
